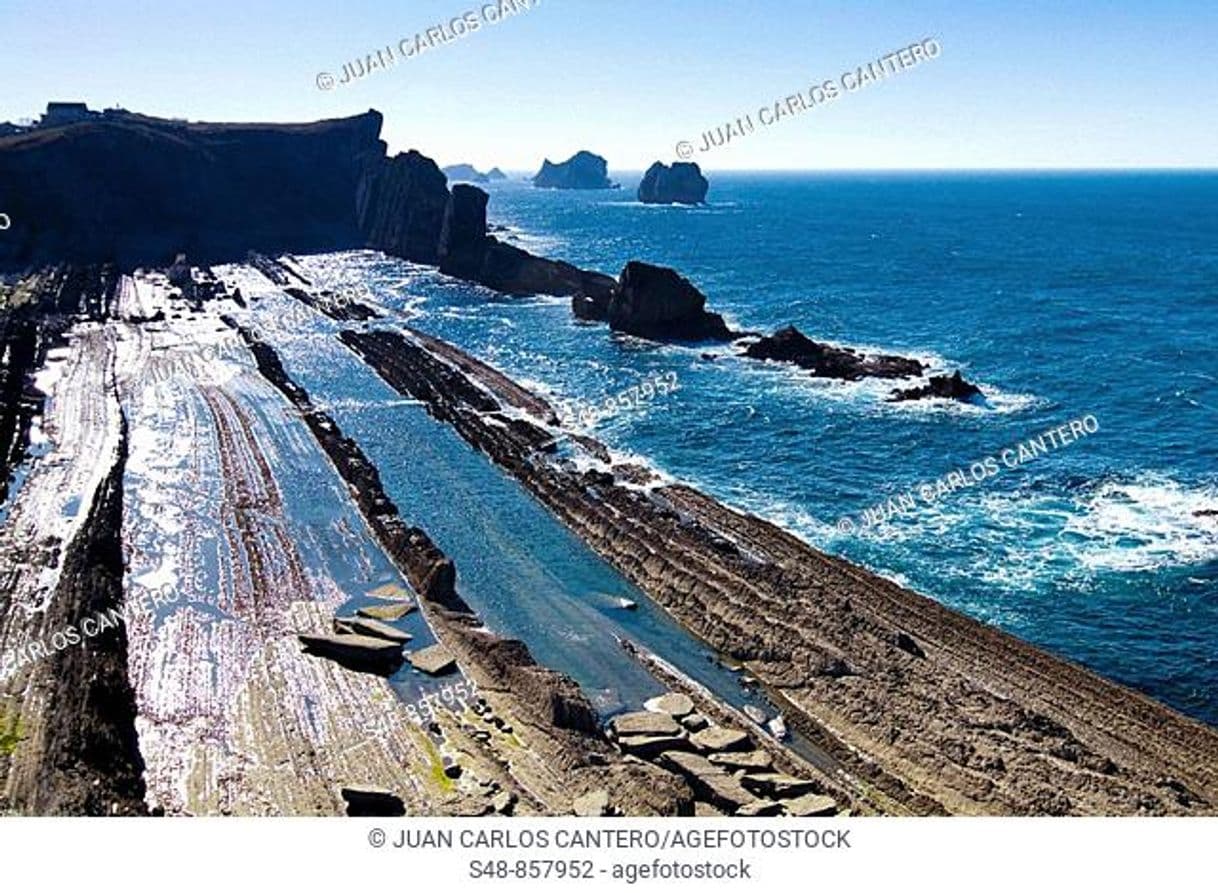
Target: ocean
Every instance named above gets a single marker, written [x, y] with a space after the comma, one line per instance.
[1064, 296]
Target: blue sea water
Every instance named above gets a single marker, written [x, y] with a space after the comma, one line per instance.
[1061, 295]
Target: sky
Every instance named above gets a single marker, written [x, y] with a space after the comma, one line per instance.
[1026, 84]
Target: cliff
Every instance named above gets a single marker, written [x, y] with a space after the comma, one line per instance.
[139, 190]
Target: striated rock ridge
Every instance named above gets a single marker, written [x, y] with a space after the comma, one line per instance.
[560, 718]
[682, 183]
[926, 708]
[583, 170]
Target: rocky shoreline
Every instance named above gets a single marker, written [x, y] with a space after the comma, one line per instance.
[935, 711]
[545, 708]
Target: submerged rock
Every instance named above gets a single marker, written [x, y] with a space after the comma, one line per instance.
[789, 345]
[947, 387]
[583, 170]
[682, 183]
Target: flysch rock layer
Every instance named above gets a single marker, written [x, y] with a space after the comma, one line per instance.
[165, 451]
[970, 721]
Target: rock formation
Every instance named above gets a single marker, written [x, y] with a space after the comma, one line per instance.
[583, 170]
[466, 173]
[400, 207]
[947, 387]
[653, 302]
[467, 252]
[138, 190]
[169, 188]
[682, 183]
[789, 345]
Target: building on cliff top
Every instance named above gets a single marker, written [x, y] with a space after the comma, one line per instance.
[60, 113]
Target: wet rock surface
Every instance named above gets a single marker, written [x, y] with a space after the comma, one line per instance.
[789, 345]
[973, 726]
[945, 387]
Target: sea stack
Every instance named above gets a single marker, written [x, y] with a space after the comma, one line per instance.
[654, 302]
[682, 183]
[583, 170]
[465, 173]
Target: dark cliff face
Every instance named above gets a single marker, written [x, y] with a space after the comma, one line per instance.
[583, 170]
[467, 252]
[401, 205]
[140, 190]
[682, 183]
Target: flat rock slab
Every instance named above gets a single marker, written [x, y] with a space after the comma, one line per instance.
[718, 738]
[722, 791]
[592, 805]
[390, 592]
[362, 652]
[811, 805]
[363, 626]
[648, 747]
[755, 760]
[645, 723]
[386, 612]
[760, 808]
[778, 785]
[674, 704]
[435, 660]
[689, 764]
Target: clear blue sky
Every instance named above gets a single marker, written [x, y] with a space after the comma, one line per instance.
[1018, 84]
